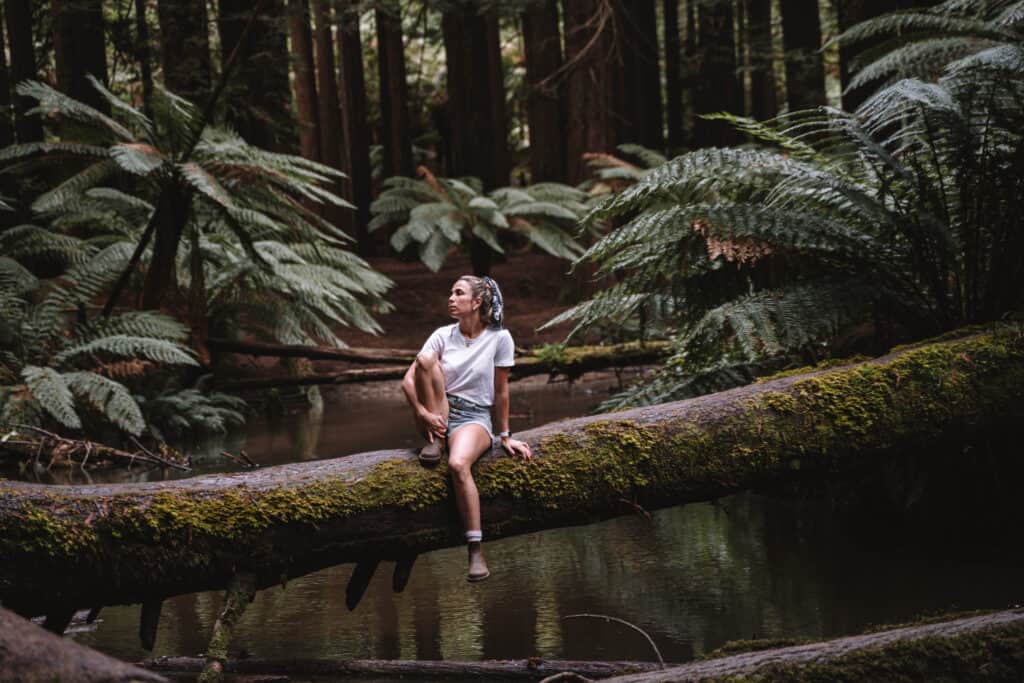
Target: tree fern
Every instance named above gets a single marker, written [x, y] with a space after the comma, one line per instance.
[109, 398]
[53, 395]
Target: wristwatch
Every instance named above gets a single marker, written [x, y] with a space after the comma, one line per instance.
[502, 435]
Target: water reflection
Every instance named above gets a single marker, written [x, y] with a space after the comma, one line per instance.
[693, 577]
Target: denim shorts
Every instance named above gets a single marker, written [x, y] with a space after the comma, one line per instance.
[462, 412]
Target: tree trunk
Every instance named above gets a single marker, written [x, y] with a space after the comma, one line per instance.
[591, 54]
[779, 76]
[79, 49]
[717, 88]
[394, 99]
[23, 67]
[641, 117]
[353, 110]
[6, 122]
[185, 48]
[760, 36]
[142, 54]
[673, 76]
[966, 649]
[828, 20]
[305, 79]
[74, 546]
[257, 98]
[329, 108]
[160, 287]
[804, 70]
[545, 101]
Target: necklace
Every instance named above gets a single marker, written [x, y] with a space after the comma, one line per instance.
[468, 340]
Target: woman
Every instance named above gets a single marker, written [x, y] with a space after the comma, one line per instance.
[459, 375]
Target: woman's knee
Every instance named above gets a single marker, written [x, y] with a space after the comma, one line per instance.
[460, 467]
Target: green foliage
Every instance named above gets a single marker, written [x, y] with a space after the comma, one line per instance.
[190, 412]
[905, 210]
[439, 213]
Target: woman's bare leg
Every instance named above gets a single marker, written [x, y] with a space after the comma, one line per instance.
[465, 446]
[429, 381]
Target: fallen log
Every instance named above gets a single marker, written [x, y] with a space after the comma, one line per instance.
[29, 653]
[988, 647]
[83, 546]
[504, 670]
[569, 362]
[349, 355]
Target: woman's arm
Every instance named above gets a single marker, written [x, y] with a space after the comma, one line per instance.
[511, 446]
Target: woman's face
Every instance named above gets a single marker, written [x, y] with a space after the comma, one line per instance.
[460, 301]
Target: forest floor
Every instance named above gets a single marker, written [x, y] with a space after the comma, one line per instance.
[536, 287]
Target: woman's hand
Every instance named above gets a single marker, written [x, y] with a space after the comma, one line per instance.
[433, 424]
[514, 446]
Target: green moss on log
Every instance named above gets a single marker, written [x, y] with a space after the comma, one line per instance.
[587, 469]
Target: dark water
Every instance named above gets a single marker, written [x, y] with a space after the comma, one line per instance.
[693, 577]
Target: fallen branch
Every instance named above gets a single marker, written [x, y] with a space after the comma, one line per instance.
[65, 452]
[350, 355]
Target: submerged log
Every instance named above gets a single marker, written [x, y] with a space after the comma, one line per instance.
[29, 653]
[570, 362]
[988, 647]
[128, 543]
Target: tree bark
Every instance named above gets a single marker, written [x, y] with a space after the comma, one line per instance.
[779, 77]
[545, 100]
[971, 648]
[592, 58]
[71, 546]
[257, 98]
[717, 88]
[23, 67]
[6, 122]
[353, 110]
[142, 54]
[641, 112]
[185, 48]
[305, 79]
[329, 108]
[171, 214]
[673, 75]
[761, 76]
[79, 49]
[29, 653]
[394, 99]
[828, 21]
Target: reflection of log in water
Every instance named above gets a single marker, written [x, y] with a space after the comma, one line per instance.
[83, 546]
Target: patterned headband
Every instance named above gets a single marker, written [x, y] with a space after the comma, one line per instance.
[497, 304]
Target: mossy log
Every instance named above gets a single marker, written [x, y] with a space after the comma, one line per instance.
[81, 546]
[569, 361]
[29, 653]
[988, 647]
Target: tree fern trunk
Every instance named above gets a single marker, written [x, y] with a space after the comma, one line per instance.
[6, 123]
[18, 14]
[185, 48]
[160, 288]
[545, 103]
[353, 110]
[779, 77]
[329, 108]
[828, 20]
[257, 98]
[394, 104]
[304, 79]
[79, 49]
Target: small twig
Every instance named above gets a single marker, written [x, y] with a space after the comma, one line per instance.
[245, 456]
[163, 461]
[626, 623]
[565, 676]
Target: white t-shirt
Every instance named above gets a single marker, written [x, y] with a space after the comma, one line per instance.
[468, 364]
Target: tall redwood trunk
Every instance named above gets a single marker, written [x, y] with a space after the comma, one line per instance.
[6, 123]
[590, 48]
[304, 79]
[717, 87]
[257, 98]
[79, 49]
[673, 75]
[142, 54]
[641, 112]
[759, 32]
[804, 71]
[329, 109]
[18, 14]
[185, 48]
[353, 109]
[394, 105]
[545, 103]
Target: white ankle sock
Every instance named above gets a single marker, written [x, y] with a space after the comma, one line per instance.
[474, 536]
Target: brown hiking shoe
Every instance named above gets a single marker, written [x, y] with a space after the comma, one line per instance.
[430, 454]
[477, 564]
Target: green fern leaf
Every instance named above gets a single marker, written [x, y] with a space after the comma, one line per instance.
[52, 393]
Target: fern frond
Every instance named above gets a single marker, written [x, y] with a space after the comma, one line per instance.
[52, 101]
[138, 158]
[81, 181]
[50, 390]
[111, 399]
[127, 346]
